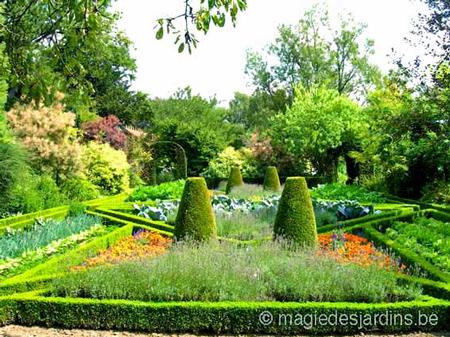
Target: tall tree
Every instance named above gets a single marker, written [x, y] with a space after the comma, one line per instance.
[312, 54]
[68, 46]
[319, 127]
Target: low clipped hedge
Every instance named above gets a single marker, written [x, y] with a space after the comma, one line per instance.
[221, 317]
[407, 255]
[60, 263]
[130, 218]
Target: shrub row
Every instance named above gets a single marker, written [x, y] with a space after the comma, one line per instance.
[423, 205]
[225, 317]
[130, 218]
[370, 220]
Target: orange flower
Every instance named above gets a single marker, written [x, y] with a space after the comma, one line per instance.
[141, 244]
[356, 249]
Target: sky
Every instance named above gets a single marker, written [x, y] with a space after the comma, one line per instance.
[216, 66]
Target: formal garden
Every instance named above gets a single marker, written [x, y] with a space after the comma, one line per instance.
[317, 204]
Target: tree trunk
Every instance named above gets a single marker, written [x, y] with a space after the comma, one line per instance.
[353, 169]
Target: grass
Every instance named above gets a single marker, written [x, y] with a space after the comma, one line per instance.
[244, 226]
[223, 272]
[250, 191]
[42, 233]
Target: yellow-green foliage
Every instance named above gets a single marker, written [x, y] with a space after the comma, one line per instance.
[106, 167]
[271, 180]
[235, 179]
[220, 166]
[295, 219]
[195, 218]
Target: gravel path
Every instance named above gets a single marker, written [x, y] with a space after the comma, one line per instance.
[19, 331]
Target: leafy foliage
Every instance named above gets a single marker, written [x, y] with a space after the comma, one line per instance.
[106, 167]
[170, 190]
[346, 192]
[427, 237]
[311, 54]
[320, 126]
[48, 133]
[106, 130]
[221, 166]
[42, 233]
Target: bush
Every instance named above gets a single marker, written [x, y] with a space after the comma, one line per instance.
[220, 166]
[106, 167]
[346, 192]
[295, 221]
[77, 189]
[36, 193]
[106, 130]
[12, 169]
[195, 219]
[234, 179]
[271, 179]
[170, 190]
[49, 133]
[437, 193]
[76, 209]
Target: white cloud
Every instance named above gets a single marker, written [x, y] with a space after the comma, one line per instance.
[217, 65]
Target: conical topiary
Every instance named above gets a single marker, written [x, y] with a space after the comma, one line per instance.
[235, 179]
[195, 219]
[271, 180]
[295, 220]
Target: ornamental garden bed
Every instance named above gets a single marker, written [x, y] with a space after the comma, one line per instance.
[384, 270]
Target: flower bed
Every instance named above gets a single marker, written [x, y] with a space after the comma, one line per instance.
[140, 244]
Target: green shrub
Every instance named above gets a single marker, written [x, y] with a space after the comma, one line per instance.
[195, 219]
[106, 167]
[225, 272]
[170, 190]
[76, 189]
[234, 179]
[271, 179]
[295, 219]
[346, 192]
[76, 208]
[220, 166]
[36, 193]
[12, 169]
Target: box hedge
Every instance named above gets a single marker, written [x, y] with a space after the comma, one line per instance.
[295, 220]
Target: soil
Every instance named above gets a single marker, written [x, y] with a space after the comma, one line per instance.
[20, 331]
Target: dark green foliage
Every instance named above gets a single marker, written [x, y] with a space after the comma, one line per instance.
[295, 219]
[235, 179]
[79, 190]
[216, 318]
[12, 168]
[195, 218]
[271, 179]
[346, 192]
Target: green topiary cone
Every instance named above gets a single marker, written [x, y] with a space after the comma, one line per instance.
[195, 219]
[295, 220]
[235, 179]
[271, 180]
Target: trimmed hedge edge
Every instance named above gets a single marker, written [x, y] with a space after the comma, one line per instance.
[218, 317]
